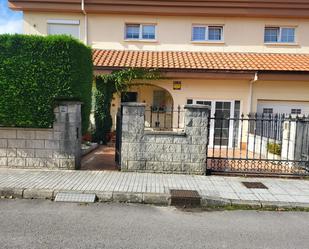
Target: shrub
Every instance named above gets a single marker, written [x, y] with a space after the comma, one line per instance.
[35, 71]
[274, 148]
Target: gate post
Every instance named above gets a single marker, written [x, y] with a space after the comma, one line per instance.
[67, 131]
[197, 127]
[132, 128]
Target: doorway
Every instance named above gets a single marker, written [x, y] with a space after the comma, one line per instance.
[223, 128]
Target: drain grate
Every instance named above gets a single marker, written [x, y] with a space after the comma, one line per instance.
[75, 197]
[258, 185]
[181, 197]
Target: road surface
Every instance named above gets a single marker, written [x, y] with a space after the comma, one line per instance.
[46, 224]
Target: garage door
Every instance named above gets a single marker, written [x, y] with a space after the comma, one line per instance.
[293, 107]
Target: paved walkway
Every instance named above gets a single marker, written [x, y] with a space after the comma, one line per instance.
[152, 188]
[102, 158]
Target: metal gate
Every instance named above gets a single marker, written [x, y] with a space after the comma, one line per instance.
[118, 137]
[260, 144]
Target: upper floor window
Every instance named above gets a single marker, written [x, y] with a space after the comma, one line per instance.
[207, 33]
[63, 27]
[140, 32]
[279, 34]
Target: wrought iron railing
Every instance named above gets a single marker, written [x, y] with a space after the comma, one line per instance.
[164, 118]
[259, 143]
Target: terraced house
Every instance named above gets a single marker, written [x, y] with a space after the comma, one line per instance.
[237, 57]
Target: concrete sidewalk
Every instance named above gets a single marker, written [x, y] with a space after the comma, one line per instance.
[153, 188]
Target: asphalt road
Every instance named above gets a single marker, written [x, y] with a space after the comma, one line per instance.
[45, 224]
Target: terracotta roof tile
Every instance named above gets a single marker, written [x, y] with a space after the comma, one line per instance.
[200, 60]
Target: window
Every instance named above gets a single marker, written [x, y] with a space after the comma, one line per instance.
[279, 34]
[200, 102]
[295, 111]
[189, 101]
[140, 32]
[63, 27]
[268, 110]
[159, 100]
[207, 33]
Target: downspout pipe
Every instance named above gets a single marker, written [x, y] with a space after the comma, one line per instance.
[251, 82]
[85, 21]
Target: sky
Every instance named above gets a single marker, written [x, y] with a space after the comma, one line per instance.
[10, 21]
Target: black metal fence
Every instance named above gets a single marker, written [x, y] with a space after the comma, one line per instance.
[259, 143]
[164, 118]
[118, 137]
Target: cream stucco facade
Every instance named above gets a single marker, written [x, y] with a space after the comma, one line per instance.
[106, 31]
[224, 90]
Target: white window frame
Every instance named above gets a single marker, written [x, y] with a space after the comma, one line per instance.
[207, 32]
[140, 32]
[279, 38]
[63, 22]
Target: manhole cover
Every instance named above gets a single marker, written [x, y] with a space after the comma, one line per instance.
[75, 197]
[181, 197]
[254, 185]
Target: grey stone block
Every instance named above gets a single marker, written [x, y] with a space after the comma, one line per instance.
[104, 196]
[173, 167]
[164, 139]
[214, 202]
[128, 197]
[3, 152]
[155, 166]
[44, 135]
[25, 152]
[8, 133]
[250, 203]
[44, 153]
[52, 144]
[278, 204]
[67, 163]
[3, 161]
[16, 162]
[136, 165]
[58, 135]
[11, 152]
[38, 194]
[16, 143]
[51, 163]
[35, 163]
[14, 192]
[176, 148]
[25, 134]
[3, 143]
[35, 144]
[182, 140]
[155, 199]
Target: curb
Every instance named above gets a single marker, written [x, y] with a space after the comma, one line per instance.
[161, 199]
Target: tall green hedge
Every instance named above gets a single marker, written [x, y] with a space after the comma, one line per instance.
[35, 71]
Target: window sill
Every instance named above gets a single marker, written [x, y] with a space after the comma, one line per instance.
[281, 44]
[140, 40]
[208, 42]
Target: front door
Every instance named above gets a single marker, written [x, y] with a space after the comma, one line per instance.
[222, 126]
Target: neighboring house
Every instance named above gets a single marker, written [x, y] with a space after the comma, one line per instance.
[236, 56]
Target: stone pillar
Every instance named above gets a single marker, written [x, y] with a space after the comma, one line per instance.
[197, 129]
[67, 128]
[132, 130]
